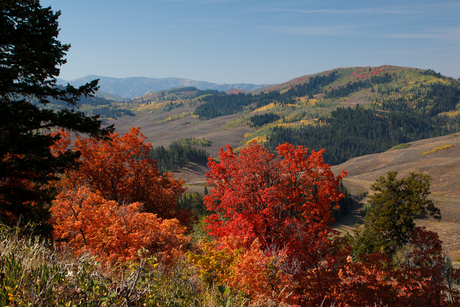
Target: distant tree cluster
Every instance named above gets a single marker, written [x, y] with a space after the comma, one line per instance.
[110, 112]
[193, 141]
[349, 133]
[439, 98]
[215, 106]
[431, 72]
[313, 86]
[180, 93]
[344, 91]
[177, 156]
[260, 120]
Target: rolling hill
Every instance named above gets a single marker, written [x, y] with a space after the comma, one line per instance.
[396, 105]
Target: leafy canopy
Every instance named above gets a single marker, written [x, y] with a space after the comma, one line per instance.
[120, 169]
[282, 201]
[116, 202]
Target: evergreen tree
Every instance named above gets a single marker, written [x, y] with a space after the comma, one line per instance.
[30, 56]
[395, 203]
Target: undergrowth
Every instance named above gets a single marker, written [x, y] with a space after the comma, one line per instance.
[34, 273]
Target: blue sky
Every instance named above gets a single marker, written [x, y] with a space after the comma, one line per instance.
[252, 41]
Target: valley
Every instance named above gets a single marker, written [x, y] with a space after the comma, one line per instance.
[162, 125]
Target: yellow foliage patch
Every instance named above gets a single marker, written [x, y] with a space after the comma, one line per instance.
[258, 139]
[438, 148]
[264, 108]
[450, 113]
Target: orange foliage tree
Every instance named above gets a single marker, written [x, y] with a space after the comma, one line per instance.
[116, 201]
[86, 221]
[120, 169]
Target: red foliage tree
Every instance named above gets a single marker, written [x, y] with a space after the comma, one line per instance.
[284, 201]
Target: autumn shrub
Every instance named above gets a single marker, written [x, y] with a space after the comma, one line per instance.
[120, 169]
[421, 275]
[243, 266]
[87, 222]
[438, 148]
[116, 202]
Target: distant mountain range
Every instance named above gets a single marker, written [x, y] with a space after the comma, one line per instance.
[138, 86]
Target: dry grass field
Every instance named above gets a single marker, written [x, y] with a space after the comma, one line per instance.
[444, 168]
[161, 133]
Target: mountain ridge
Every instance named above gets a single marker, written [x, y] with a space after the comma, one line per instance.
[132, 87]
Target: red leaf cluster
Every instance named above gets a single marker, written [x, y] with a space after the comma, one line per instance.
[282, 201]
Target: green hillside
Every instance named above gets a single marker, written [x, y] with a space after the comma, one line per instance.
[348, 111]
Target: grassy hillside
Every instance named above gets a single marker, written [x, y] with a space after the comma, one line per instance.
[406, 103]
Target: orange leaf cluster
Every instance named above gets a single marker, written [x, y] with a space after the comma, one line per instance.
[121, 170]
[86, 221]
[116, 201]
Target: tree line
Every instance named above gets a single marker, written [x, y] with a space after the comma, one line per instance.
[177, 156]
[353, 132]
[215, 106]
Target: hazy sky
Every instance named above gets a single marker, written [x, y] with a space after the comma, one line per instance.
[254, 41]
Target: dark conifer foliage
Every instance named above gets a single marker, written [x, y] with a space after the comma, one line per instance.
[30, 56]
[177, 156]
[344, 91]
[349, 133]
[215, 106]
[260, 120]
